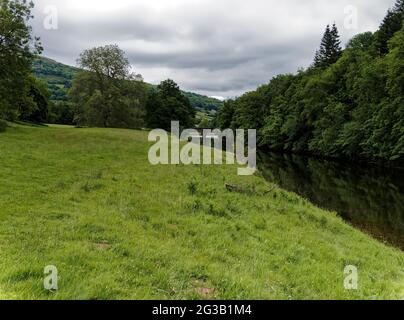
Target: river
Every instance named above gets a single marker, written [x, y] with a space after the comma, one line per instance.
[369, 198]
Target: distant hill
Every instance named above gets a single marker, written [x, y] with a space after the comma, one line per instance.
[203, 102]
[59, 78]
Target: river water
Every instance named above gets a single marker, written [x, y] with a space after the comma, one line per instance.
[369, 198]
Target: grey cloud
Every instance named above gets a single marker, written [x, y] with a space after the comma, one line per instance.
[221, 48]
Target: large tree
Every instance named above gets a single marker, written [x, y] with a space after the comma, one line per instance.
[107, 94]
[36, 104]
[224, 117]
[108, 62]
[390, 25]
[330, 49]
[17, 49]
[167, 104]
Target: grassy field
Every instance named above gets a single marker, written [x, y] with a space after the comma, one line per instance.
[88, 202]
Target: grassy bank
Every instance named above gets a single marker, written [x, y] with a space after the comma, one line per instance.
[88, 202]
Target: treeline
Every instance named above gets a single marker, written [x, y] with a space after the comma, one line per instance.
[348, 104]
[104, 91]
[59, 78]
[107, 94]
[22, 96]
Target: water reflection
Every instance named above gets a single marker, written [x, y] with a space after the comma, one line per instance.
[370, 198]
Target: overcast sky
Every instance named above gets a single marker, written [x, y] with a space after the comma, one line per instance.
[215, 47]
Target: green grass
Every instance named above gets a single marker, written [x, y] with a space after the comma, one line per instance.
[88, 202]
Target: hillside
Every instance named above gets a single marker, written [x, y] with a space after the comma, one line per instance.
[88, 202]
[59, 78]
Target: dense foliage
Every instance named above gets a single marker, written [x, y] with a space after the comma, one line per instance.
[167, 104]
[105, 93]
[62, 112]
[390, 25]
[21, 96]
[59, 77]
[203, 103]
[36, 107]
[353, 108]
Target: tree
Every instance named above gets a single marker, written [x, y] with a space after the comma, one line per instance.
[390, 25]
[330, 48]
[251, 109]
[395, 86]
[361, 42]
[108, 62]
[107, 94]
[399, 6]
[17, 49]
[36, 105]
[204, 122]
[61, 112]
[167, 104]
[224, 116]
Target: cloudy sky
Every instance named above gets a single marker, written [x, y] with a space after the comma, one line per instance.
[215, 47]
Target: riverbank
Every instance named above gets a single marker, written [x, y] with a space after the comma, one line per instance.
[371, 198]
[88, 202]
[362, 161]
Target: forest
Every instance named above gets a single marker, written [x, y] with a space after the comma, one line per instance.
[349, 104]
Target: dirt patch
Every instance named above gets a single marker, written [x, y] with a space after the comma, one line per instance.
[103, 246]
[202, 289]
